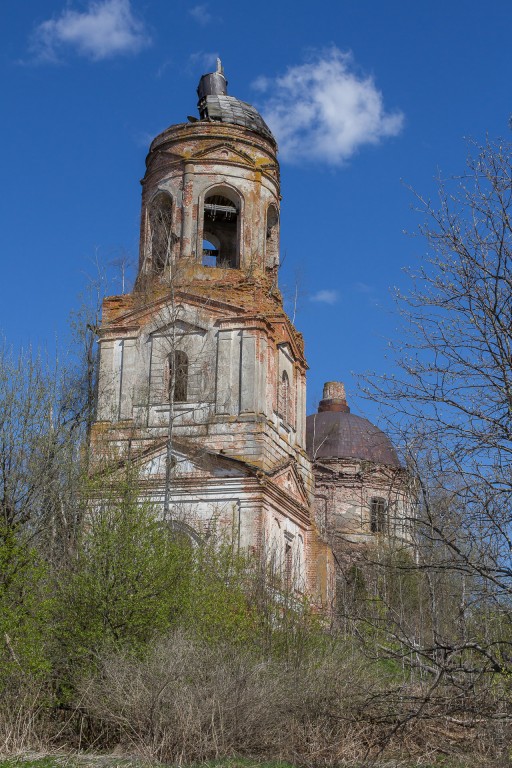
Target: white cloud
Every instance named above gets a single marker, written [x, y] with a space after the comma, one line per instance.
[261, 83]
[164, 66]
[325, 297]
[363, 288]
[326, 110]
[204, 59]
[107, 28]
[201, 14]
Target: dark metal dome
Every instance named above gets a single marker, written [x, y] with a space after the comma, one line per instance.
[227, 109]
[346, 436]
[335, 433]
[215, 104]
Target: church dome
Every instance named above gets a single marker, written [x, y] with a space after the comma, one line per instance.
[216, 106]
[335, 433]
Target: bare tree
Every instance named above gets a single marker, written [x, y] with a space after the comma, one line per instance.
[81, 387]
[170, 277]
[47, 407]
[29, 436]
[450, 403]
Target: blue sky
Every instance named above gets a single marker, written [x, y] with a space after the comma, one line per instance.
[365, 97]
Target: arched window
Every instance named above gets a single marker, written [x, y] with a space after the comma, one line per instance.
[177, 376]
[162, 238]
[272, 237]
[184, 534]
[378, 515]
[284, 398]
[221, 237]
[274, 553]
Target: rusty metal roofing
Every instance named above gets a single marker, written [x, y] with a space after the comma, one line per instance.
[338, 435]
[228, 109]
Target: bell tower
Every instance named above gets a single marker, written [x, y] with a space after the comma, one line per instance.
[211, 189]
[202, 374]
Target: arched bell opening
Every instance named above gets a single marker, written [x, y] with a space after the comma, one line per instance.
[221, 229]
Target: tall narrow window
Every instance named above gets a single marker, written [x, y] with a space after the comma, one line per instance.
[177, 373]
[378, 515]
[284, 398]
[162, 238]
[221, 230]
[288, 566]
[299, 571]
[272, 237]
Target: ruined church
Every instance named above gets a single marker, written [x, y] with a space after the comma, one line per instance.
[203, 376]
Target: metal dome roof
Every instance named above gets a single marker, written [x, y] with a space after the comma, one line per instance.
[332, 435]
[335, 433]
[228, 109]
[215, 105]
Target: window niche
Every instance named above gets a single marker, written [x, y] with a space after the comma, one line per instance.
[272, 237]
[288, 566]
[378, 515]
[177, 376]
[161, 235]
[221, 229]
[284, 398]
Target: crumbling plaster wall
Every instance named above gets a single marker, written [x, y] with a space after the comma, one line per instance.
[233, 385]
[344, 490]
[191, 161]
[256, 515]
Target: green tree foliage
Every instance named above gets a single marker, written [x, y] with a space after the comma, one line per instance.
[129, 577]
[133, 577]
[25, 607]
[218, 605]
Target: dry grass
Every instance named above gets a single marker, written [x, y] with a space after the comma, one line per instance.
[190, 702]
[23, 716]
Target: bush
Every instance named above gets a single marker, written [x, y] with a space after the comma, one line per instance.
[24, 607]
[127, 582]
[191, 700]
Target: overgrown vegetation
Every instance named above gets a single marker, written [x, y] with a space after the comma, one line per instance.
[117, 634]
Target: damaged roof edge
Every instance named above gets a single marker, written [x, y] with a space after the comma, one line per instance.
[215, 105]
